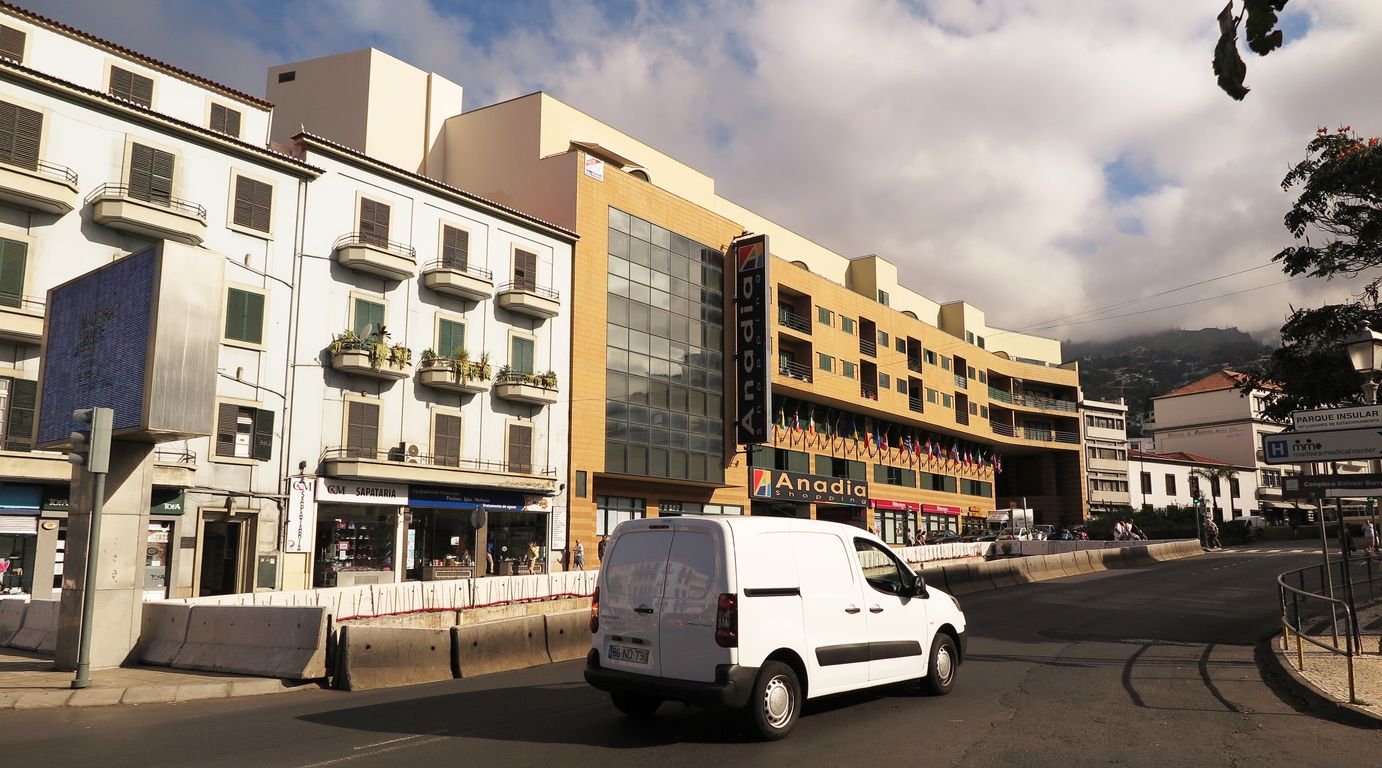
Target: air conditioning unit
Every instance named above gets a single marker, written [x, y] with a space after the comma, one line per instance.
[411, 453]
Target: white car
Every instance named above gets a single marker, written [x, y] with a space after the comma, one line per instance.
[759, 614]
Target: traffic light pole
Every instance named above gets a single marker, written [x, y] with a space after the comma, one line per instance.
[98, 498]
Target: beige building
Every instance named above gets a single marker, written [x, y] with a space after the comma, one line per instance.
[1106, 455]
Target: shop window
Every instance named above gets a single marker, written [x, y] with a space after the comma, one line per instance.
[446, 439]
[520, 444]
[362, 429]
[610, 511]
[244, 432]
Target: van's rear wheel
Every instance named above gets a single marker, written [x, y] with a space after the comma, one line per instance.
[635, 704]
[776, 701]
[940, 674]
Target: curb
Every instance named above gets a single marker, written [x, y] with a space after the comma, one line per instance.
[146, 694]
[1272, 661]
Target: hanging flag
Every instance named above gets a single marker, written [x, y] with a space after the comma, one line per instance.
[853, 426]
[998, 463]
[811, 421]
[796, 419]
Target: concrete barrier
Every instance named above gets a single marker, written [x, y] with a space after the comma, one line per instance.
[1003, 572]
[964, 578]
[497, 646]
[11, 618]
[270, 641]
[39, 629]
[383, 657]
[935, 577]
[568, 635]
[162, 632]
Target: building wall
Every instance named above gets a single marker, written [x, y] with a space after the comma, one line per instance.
[328, 96]
[1105, 431]
[1229, 506]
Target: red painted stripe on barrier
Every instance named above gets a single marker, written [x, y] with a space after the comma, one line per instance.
[466, 608]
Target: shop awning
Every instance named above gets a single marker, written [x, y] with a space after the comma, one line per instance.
[447, 498]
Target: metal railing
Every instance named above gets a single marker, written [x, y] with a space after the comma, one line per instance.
[527, 286]
[1001, 395]
[1032, 401]
[868, 347]
[399, 455]
[374, 241]
[793, 370]
[456, 266]
[26, 303]
[111, 189]
[914, 364]
[1303, 612]
[43, 168]
[790, 319]
[523, 377]
[868, 391]
[961, 417]
[914, 403]
[961, 381]
[168, 456]
[1034, 433]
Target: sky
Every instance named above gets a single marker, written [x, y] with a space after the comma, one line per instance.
[1068, 166]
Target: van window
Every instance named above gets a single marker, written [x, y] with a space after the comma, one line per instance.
[637, 564]
[691, 567]
[881, 569]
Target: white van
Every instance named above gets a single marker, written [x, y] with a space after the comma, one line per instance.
[759, 614]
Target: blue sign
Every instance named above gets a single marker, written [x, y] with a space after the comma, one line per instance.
[96, 349]
[449, 498]
[1279, 448]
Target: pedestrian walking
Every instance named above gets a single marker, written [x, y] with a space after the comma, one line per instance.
[601, 547]
[1212, 530]
[579, 552]
[1369, 537]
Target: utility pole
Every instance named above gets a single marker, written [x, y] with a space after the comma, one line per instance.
[90, 450]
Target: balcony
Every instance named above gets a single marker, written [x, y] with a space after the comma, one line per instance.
[21, 319]
[174, 468]
[406, 464]
[451, 375]
[793, 370]
[43, 187]
[370, 357]
[868, 391]
[373, 255]
[461, 280]
[1033, 401]
[914, 364]
[868, 346]
[961, 381]
[1036, 434]
[914, 403]
[528, 299]
[961, 417]
[531, 388]
[148, 215]
[789, 319]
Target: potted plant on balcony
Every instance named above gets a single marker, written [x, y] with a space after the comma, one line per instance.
[547, 380]
[468, 369]
[376, 346]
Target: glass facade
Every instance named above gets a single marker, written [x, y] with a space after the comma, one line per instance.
[665, 354]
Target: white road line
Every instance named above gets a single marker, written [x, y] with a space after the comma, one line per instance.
[389, 741]
[396, 746]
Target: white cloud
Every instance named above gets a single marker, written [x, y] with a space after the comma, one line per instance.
[967, 141]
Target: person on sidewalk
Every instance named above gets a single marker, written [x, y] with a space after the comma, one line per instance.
[579, 554]
[1212, 532]
[1369, 538]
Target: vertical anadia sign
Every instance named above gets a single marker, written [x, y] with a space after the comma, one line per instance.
[751, 345]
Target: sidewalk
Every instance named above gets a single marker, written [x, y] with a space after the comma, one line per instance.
[1324, 680]
[29, 681]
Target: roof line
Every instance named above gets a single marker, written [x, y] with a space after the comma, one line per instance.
[321, 143]
[44, 80]
[66, 29]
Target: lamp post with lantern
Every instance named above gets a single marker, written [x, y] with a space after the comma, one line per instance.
[1365, 354]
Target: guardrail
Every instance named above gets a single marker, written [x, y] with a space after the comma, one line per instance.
[1296, 613]
[790, 319]
[530, 287]
[793, 370]
[457, 266]
[166, 201]
[374, 241]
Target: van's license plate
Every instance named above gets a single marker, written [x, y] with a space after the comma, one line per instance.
[625, 653]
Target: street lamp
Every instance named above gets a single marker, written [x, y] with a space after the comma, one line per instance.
[1365, 352]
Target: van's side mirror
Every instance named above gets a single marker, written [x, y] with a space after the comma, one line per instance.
[919, 589]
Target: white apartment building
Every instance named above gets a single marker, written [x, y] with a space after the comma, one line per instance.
[1166, 479]
[1106, 455]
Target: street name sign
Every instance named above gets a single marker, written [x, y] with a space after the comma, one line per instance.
[1338, 418]
[1333, 445]
[1321, 486]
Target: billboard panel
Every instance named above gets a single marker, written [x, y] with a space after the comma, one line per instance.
[751, 342]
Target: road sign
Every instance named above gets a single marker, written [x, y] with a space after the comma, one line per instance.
[1333, 445]
[1338, 418]
[1322, 486]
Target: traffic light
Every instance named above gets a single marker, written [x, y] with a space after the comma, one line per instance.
[91, 439]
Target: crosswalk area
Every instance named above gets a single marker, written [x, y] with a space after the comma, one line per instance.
[1267, 551]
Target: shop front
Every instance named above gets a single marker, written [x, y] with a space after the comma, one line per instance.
[19, 514]
[779, 493]
[939, 519]
[895, 521]
[974, 521]
[457, 533]
[165, 511]
[357, 532]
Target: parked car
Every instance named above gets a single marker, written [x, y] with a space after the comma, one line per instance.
[758, 613]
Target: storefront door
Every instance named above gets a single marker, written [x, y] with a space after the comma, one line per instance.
[220, 561]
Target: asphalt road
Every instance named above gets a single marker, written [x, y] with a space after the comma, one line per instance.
[1138, 667]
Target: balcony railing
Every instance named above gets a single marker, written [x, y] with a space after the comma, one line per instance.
[182, 458]
[914, 364]
[961, 417]
[961, 381]
[868, 391]
[44, 168]
[26, 303]
[790, 319]
[1001, 395]
[185, 207]
[1035, 433]
[914, 402]
[457, 266]
[453, 462]
[527, 286]
[793, 370]
[1031, 401]
[374, 241]
[868, 347]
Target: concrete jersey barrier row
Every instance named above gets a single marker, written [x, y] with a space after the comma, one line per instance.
[264, 640]
[964, 578]
[38, 627]
[11, 618]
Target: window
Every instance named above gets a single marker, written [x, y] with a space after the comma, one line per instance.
[21, 132]
[825, 316]
[945, 363]
[580, 484]
[883, 339]
[971, 373]
[151, 174]
[253, 202]
[902, 386]
[930, 357]
[369, 317]
[934, 482]
[983, 377]
[610, 511]
[1271, 478]
[930, 395]
[887, 475]
[945, 400]
[884, 381]
[847, 324]
[455, 247]
[126, 85]
[827, 363]
[983, 411]
[880, 566]
[18, 400]
[521, 354]
[883, 298]
[244, 432]
[446, 439]
[975, 487]
[225, 120]
[1233, 487]
[374, 222]
[847, 368]
[450, 337]
[835, 466]
[14, 260]
[969, 336]
[1146, 482]
[362, 429]
[287, 77]
[12, 43]
[1170, 485]
[524, 269]
[520, 448]
[1194, 487]
[244, 316]
[974, 409]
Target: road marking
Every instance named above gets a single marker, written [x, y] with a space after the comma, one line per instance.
[389, 741]
[396, 745]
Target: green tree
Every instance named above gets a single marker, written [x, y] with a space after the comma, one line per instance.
[1213, 475]
[1262, 35]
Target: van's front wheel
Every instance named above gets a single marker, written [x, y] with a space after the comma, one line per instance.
[776, 701]
[940, 674]
[635, 704]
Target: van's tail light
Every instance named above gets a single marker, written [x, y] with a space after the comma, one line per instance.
[595, 611]
[727, 621]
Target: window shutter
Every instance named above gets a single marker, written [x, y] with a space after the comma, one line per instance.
[21, 132]
[12, 43]
[446, 440]
[161, 182]
[522, 358]
[374, 222]
[455, 247]
[450, 337]
[151, 174]
[131, 87]
[225, 120]
[362, 430]
[235, 314]
[254, 317]
[120, 82]
[524, 269]
[245, 316]
[253, 202]
[367, 314]
[13, 262]
[226, 415]
[520, 448]
[263, 435]
[19, 428]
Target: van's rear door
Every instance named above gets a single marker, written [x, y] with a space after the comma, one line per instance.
[695, 578]
[632, 579]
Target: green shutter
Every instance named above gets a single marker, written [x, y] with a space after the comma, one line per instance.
[19, 432]
[522, 358]
[14, 256]
[368, 314]
[263, 447]
[245, 316]
[450, 337]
